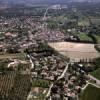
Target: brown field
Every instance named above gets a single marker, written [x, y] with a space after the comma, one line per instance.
[75, 51]
[16, 55]
[95, 21]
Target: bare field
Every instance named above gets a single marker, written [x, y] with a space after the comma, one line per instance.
[16, 55]
[75, 51]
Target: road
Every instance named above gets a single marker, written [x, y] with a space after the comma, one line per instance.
[48, 94]
[97, 84]
[45, 14]
[44, 17]
[61, 76]
[93, 78]
[32, 64]
[88, 83]
[14, 63]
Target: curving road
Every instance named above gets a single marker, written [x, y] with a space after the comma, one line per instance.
[61, 76]
[32, 64]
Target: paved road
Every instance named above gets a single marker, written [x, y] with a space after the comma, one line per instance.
[48, 94]
[61, 76]
[32, 64]
[44, 17]
[14, 63]
[93, 78]
[88, 83]
[45, 13]
[97, 84]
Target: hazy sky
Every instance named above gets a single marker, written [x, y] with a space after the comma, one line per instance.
[40, 1]
[48, 0]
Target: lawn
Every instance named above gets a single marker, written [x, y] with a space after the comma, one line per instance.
[1, 34]
[96, 73]
[91, 93]
[40, 83]
[84, 37]
[97, 38]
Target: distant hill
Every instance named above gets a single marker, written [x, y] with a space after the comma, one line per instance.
[32, 1]
[26, 2]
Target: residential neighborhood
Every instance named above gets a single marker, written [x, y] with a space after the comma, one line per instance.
[49, 50]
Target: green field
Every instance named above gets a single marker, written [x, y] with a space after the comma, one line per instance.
[40, 83]
[84, 37]
[91, 93]
[83, 21]
[96, 73]
[97, 38]
[59, 18]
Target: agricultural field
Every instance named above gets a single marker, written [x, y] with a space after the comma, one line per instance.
[75, 51]
[91, 93]
[40, 83]
[95, 21]
[82, 19]
[59, 18]
[6, 83]
[62, 22]
[55, 22]
[13, 85]
[83, 22]
[21, 87]
[15, 55]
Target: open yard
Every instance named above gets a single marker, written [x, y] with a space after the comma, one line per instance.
[75, 51]
[97, 38]
[96, 73]
[84, 37]
[91, 93]
[38, 93]
[40, 83]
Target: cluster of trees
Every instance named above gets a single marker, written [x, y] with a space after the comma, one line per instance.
[97, 47]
